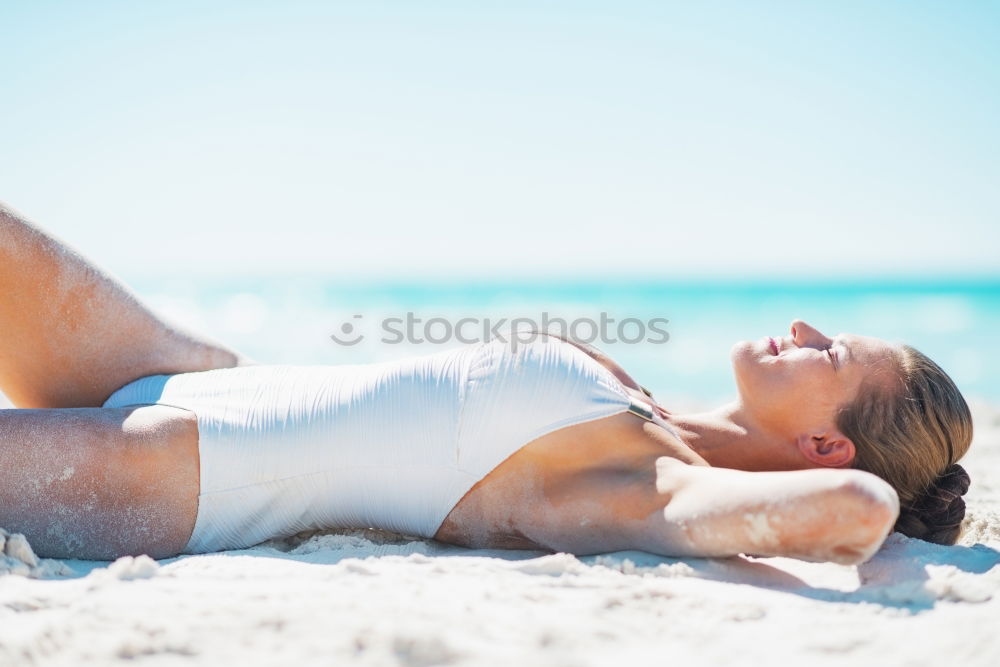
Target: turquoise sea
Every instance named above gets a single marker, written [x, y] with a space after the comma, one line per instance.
[290, 319]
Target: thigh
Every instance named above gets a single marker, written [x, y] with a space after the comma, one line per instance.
[70, 334]
[99, 483]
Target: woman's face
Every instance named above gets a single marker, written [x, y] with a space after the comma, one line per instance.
[795, 384]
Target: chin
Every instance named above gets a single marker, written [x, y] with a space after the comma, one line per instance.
[740, 355]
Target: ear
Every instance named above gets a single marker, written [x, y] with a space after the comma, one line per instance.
[829, 449]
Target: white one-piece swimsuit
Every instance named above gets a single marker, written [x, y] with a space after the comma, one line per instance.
[392, 445]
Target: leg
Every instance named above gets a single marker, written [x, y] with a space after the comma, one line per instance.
[71, 334]
[99, 483]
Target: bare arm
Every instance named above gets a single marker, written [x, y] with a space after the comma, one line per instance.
[815, 515]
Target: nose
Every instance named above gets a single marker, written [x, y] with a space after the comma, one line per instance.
[805, 335]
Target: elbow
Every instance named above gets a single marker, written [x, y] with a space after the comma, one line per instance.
[873, 496]
[870, 506]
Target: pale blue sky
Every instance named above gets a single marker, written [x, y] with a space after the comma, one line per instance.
[509, 138]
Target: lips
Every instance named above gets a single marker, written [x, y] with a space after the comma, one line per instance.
[773, 344]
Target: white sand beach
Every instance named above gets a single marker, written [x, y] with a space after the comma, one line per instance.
[683, 185]
[372, 598]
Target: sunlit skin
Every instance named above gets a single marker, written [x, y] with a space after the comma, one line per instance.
[782, 420]
[785, 413]
[88, 482]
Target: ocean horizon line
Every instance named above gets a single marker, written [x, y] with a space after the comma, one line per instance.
[459, 282]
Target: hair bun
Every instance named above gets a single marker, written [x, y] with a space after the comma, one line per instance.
[937, 515]
[954, 481]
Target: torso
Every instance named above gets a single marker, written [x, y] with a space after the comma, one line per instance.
[576, 489]
[544, 450]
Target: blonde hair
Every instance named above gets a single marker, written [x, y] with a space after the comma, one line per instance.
[911, 432]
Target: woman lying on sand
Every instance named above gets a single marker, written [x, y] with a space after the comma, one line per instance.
[134, 437]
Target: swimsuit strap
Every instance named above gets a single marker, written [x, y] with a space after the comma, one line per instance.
[646, 411]
[640, 408]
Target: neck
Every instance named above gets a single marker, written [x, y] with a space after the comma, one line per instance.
[728, 438]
